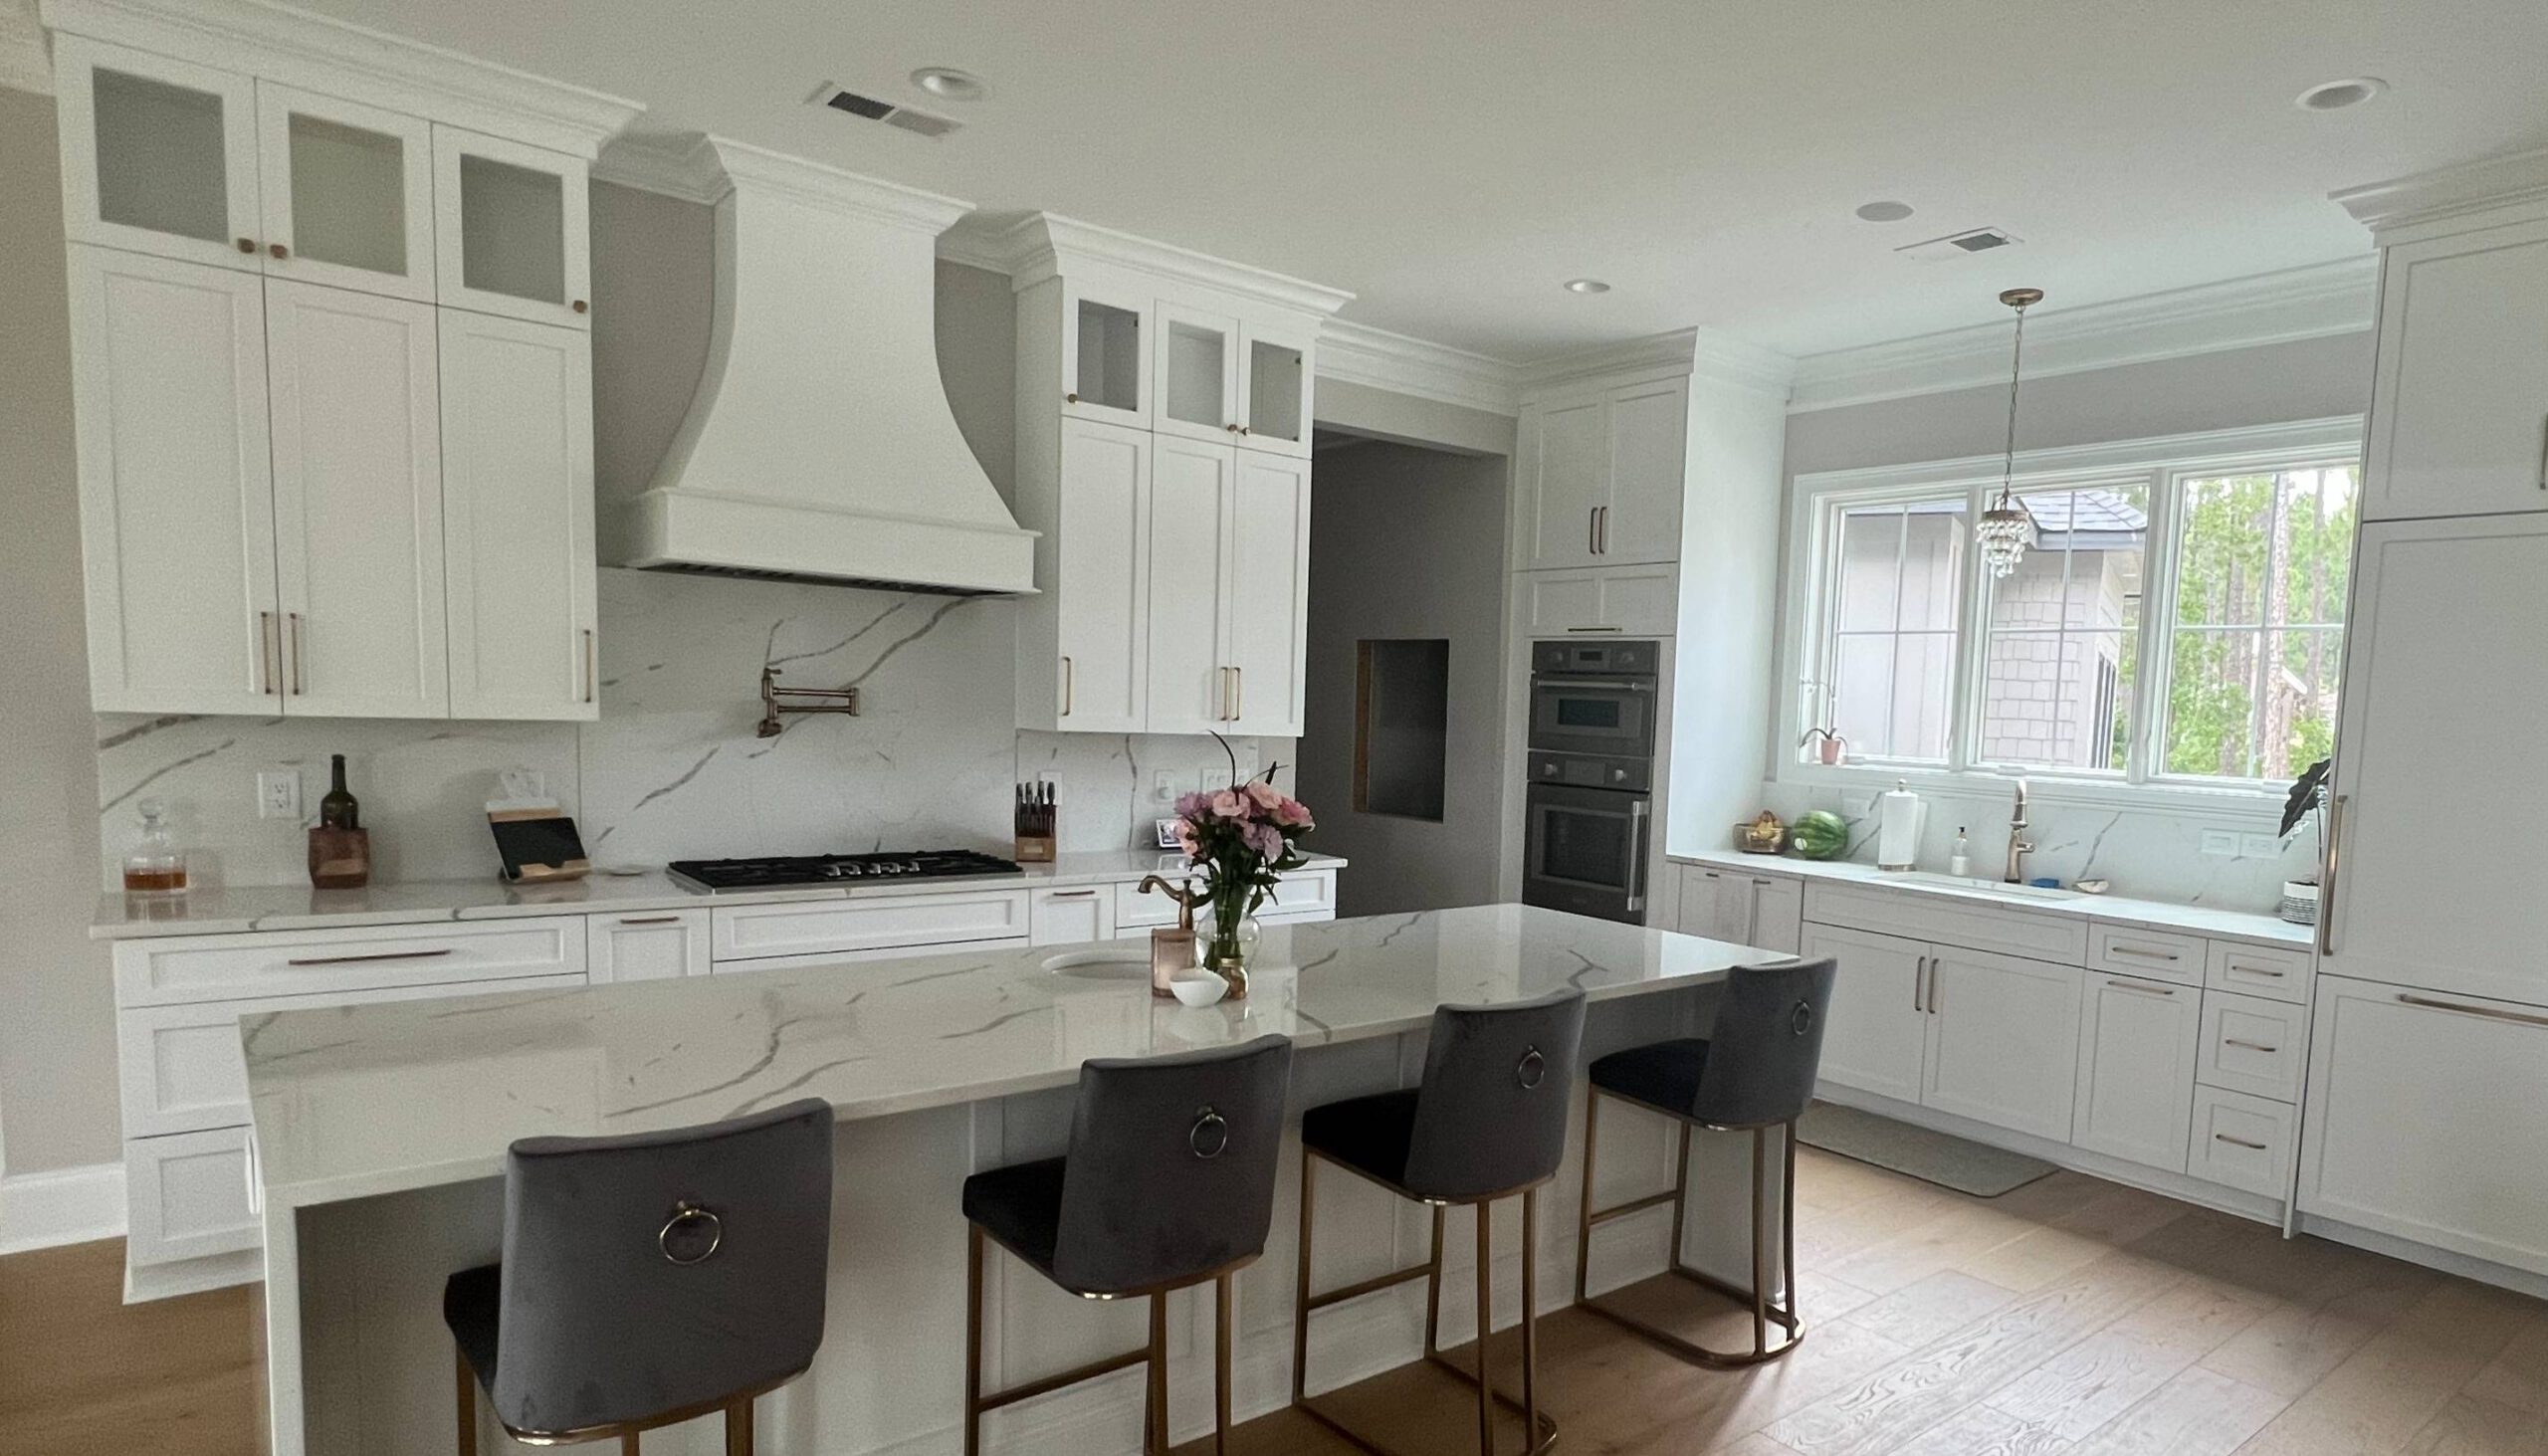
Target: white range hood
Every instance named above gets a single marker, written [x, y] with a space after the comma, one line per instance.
[820, 446]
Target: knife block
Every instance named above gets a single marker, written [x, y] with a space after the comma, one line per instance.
[1035, 849]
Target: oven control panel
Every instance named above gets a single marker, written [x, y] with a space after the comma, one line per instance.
[1596, 659]
[1593, 770]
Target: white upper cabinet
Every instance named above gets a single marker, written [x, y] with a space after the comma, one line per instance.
[1268, 605]
[357, 492]
[348, 194]
[517, 519]
[2460, 402]
[1105, 348]
[1099, 588]
[1277, 366]
[176, 491]
[1194, 491]
[1649, 429]
[1565, 448]
[157, 155]
[1197, 366]
[511, 229]
[1601, 476]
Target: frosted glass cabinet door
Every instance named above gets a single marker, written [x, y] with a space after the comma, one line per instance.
[1196, 394]
[348, 194]
[1276, 369]
[511, 229]
[1105, 355]
[157, 155]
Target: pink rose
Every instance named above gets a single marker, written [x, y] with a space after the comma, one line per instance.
[1191, 806]
[1263, 795]
[1186, 839]
[1226, 804]
[1292, 813]
[1265, 838]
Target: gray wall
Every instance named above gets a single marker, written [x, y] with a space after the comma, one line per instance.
[1408, 542]
[57, 1000]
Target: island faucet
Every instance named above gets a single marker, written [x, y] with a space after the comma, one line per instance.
[2019, 845]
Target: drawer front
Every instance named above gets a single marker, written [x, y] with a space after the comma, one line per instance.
[1072, 917]
[657, 946]
[1928, 918]
[2158, 955]
[187, 1197]
[829, 959]
[2271, 971]
[1308, 895]
[2252, 1045]
[180, 1066]
[886, 923]
[181, 970]
[2241, 1141]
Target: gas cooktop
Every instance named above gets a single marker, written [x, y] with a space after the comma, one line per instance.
[784, 871]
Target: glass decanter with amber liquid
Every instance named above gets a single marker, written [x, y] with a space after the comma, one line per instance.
[155, 865]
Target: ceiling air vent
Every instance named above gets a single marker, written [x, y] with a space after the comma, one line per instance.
[1957, 245]
[888, 113]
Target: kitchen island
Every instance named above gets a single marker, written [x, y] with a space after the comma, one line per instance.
[381, 1134]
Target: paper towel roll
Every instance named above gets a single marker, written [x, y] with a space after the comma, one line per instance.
[1900, 814]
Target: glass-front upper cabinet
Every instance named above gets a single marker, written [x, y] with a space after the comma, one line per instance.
[1196, 394]
[157, 155]
[1275, 379]
[1105, 355]
[511, 229]
[349, 193]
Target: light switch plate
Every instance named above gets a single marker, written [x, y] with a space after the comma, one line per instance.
[2220, 843]
[279, 793]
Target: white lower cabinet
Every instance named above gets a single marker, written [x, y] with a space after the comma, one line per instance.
[653, 945]
[2137, 1041]
[2241, 1141]
[1878, 1036]
[2001, 1040]
[1767, 910]
[2252, 1046]
[1071, 917]
[891, 924]
[2422, 1120]
[188, 1196]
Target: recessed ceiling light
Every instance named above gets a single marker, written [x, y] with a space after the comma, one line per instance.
[1885, 211]
[947, 84]
[1587, 285]
[2335, 96]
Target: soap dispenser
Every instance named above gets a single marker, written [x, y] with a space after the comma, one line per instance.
[1960, 858]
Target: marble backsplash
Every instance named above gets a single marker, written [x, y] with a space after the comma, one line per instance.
[673, 768]
[2147, 855]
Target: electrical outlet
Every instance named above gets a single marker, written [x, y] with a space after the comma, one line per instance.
[2259, 846]
[2220, 843]
[1164, 785]
[279, 793]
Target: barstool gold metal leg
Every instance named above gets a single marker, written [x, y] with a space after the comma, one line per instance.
[1583, 1205]
[739, 1428]
[1680, 1194]
[1529, 1313]
[628, 1443]
[1301, 1283]
[1159, 1372]
[1760, 1244]
[1787, 1216]
[1434, 1290]
[974, 1340]
[1485, 1323]
[468, 1402]
[1222, 1366]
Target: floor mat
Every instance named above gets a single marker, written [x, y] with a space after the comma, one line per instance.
[1932, 1157]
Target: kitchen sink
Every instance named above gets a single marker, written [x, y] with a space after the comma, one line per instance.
[1102, 964]
[1979, 886]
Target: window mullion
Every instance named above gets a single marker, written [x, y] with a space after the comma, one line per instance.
[2155, 653]
[1963, 714]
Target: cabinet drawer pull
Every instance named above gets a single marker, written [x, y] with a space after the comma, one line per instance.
[2138, 988]
[1592, 531]
[2488, 1012]
[1597, 629]
[2253, 1046]
[1070, 894]
[2238, 970]
[1070, 676]
[592, 665]
[2543, 452]
[294, 620]
[1238, 693]
[2237, 1142]
[2137, 954]
[367, 960]
[650, 920]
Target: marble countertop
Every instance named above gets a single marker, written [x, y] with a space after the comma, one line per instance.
[2120, 909]
[359, 1101]
[236, 908]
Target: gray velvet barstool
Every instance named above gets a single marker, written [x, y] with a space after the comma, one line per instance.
[1487, 1122]
[1754, 1073]
[1169, 1183]
[649, 1279]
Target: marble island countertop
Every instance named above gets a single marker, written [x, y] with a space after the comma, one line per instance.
[2199, 920]
[359, 1101]
[233, 910]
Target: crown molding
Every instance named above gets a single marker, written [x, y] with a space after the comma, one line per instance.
[674, 166]
[1697, 351]
[1357, 353]
[2317, 301]
[318, 53]
[25, 64]
[2431, 202]
[1044, 245]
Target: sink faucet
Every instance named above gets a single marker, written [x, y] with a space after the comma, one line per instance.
[2019, 845]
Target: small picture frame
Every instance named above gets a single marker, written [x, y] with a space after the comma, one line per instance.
[1166, 830]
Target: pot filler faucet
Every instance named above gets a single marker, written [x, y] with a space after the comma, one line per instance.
[2019, 845]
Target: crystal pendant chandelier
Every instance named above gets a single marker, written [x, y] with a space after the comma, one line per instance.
[2006, 530]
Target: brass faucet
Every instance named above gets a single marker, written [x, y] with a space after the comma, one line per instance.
[2019, 845]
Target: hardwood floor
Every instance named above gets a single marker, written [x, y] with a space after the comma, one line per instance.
[2070, 1318]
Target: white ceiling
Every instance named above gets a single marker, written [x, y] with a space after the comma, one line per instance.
[1452, 161]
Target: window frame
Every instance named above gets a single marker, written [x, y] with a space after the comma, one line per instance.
[2160, 466]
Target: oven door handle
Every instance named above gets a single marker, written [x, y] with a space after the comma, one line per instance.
[1615, 684]
[1636, 850]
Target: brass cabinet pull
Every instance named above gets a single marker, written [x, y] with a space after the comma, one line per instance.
[2327, 877]
[2238, 970]
[592, 665]
[580, 306]
[294, 619]
[278, 249]
[1070, 675]
[2488, 1012]
[1238, 693]
[650, 920]
[2253, 1046]
[2138, 954]
[368, 959]
[1070, 399]
[1592, 531]
[2543, 452]
[1070, 894]
[1605, 529]
[268, 636]
[247, 245]
[1920, 986]
[1597, 629]
[2236, 1142]
[1936, 987]
[1233, 429]
[2138, 989]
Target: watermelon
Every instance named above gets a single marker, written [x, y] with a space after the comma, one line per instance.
[1820, 835]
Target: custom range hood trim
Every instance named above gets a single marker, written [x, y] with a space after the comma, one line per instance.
[819, 445]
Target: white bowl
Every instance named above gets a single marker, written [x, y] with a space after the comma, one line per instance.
[1199, 989]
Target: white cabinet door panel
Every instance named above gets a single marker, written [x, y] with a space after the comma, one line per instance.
[2253, 1046]
[176, 484]
[1716, 903]
[1102, 578]
[909, 922]
[1071, 917]
[2441, 659]
[1877, 1034]
[187, 1197]
[518, 513]
[1269, 582]
[2135, 1087]
[1192, 496]
[358, 470]
[2422, 1119]
[512, 231]
[2459, 401]
[2243, 1141]
[1564, 473]
[347, 193]
[1777, 914]
[2004, 1043]
[157, 155]
[1650, 459]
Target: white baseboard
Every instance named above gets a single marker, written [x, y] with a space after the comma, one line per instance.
[70, 1205]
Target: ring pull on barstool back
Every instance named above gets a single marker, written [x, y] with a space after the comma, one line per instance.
[1169, 1183]
[649, 1279]
[1754, 1072]
[1488, 1121]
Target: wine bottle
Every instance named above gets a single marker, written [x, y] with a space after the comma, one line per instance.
[338, 810]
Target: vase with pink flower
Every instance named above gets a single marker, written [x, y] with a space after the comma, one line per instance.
[1242, 839]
